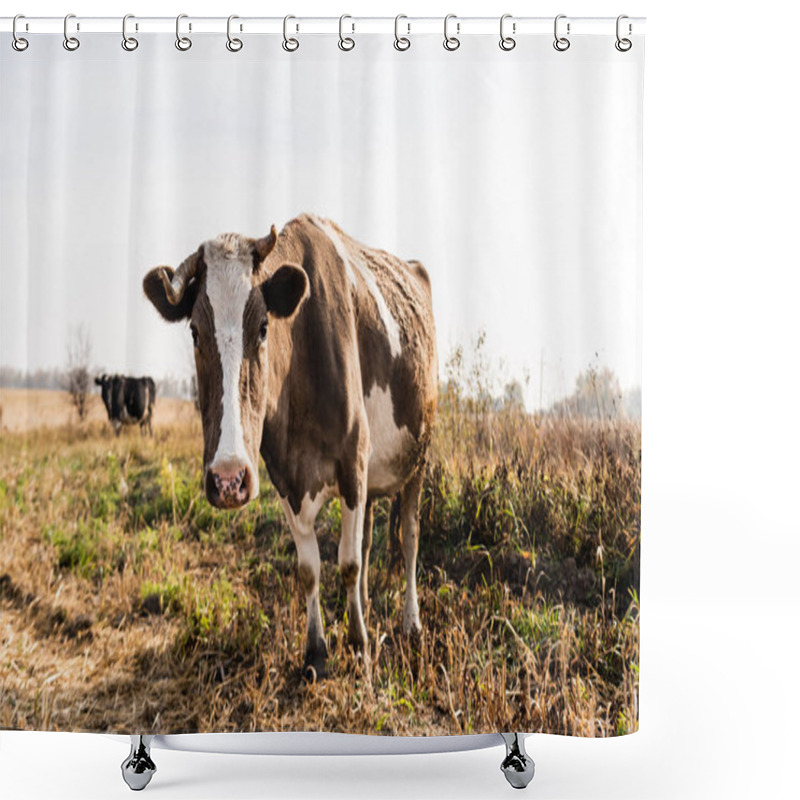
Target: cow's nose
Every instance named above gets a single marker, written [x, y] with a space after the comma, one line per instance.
[228, 486]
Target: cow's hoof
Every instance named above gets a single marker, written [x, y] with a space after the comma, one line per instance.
[517, 766]
[138, 768]
[414, 635]
[314, 666]
[312, 673]
[412, 628]
[357, 639]
[362, 662]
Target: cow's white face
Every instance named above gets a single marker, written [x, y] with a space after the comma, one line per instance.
[221, 290]
[229, 330]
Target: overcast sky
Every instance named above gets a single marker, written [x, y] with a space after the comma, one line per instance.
[514, 177]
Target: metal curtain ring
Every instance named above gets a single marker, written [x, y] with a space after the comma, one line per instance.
[561, 43]
[451, 42]
[18, 43]
[234, 45]
[183, 43]
[128, 42]
[345, 42]
[70, 42]
[623, 45]
[401, 42]
[506, 42]
[289, 44]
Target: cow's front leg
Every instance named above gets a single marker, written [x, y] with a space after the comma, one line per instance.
[305, 540]
[350, 566]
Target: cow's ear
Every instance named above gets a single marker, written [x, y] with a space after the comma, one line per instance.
[157, 294]
[284, 290]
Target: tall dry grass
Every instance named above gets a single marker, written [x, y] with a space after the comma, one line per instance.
[128, 604]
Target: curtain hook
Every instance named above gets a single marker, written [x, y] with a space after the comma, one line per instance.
[18, 42]
[451, 42]
[623, 45]
[183, 43]
[507, 42]
[128, 42]
[289, 44]
[70, 42]
[346, 42]
[561, 43]
[401, 42]
[234, 45]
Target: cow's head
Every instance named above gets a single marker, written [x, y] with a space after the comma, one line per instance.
[104, 382]
[229, 300]
[112, 390]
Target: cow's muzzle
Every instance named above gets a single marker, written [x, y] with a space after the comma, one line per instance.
[229, 485]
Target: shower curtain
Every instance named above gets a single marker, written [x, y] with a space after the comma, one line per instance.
[259, 306]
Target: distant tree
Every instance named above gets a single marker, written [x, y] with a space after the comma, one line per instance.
[11, 378]
[632, 402]
[598, 394]
[513, 396]
[78, 380]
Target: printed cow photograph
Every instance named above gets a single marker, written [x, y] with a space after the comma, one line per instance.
[313, 431]
[339, 403]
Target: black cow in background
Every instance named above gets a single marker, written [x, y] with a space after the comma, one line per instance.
[128, 401]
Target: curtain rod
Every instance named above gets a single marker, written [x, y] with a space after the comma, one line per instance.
[462, 26]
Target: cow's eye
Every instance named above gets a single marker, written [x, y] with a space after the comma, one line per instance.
[195, 339]
[262, 331]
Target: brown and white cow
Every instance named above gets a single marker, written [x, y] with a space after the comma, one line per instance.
[319, 353]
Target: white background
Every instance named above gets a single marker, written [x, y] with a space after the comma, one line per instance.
[720, 714]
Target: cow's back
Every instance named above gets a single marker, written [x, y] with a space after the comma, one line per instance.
[398, 362]
[360, 351]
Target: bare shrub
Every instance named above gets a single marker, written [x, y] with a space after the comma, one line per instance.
[78, 380]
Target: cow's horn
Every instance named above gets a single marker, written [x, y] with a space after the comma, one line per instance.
[263, 247]
[176, 286]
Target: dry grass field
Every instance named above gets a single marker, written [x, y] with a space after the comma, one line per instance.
[128, 604]
[24, 409]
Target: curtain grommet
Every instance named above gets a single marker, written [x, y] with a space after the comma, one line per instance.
[561, 43]
[346, 43]
[290, 44]
[401, 43]
[71, 43]
[19, 43]
[129, 43]
[233, 44]
[183, 43]
[451, 43]
[507, 43]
